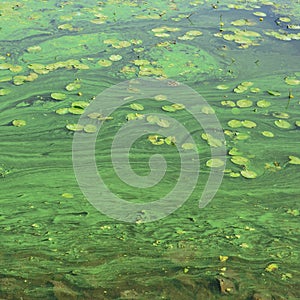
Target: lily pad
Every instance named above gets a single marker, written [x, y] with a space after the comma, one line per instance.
[73, 86]
[294, 160]
[178, 106]
[19, 123]
[274, 93]
[90, 128]
[234, 123]
[282, 124]
[75, 127]
[58, 96]
[104, 63]
[116, 57]
[248, 174]
[188, 146]
[248, 124]
[4, 92]
[292, 81]
[134, 116]
[222, 87]
[267, 133]
[136, 106]
[263, 103]
[156, 139]
[76, 110]
[239, 160]
[244, 103]
[169, 108]
[160, 97]
[170, 140]
[228, 103]
[215, 163]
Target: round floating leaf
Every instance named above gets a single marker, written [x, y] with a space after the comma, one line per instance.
[244, 103]
[235, 111]
[281, 115]
[234, 123]
[75, 127]
[160, 97]
[222, 87]
[247, 83]
[241, 136]
[134, 116]
[73, 86]
[274, 93]
[152, 119]
[19, 123]
[208, 110]
[267, 133]
[76, 110]
[34, 49]
[254, 90]
[80, 104]
[282, 124]
[240, 160]
[294, 160]
[248, 124]
[292, 81]
[285, 19]
[67, 195]
[58, 96]
[163, 123]
[215, 163]
[178, 106]
[188, 146]
[136, 106]
[4, 92]
[90, 128]
[248, 174]
[235, 151]
[263, 103]
[228, 103]
[297, 123]
[259, 14]
[156, 139]
[169, 108]
[104, 63]
[115, 57]
[170, 140]
[194, 33]
[234, 175]
[62, 111]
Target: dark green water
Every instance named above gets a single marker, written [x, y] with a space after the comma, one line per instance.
[244, 244]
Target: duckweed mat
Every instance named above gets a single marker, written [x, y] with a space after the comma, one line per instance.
[242, 57]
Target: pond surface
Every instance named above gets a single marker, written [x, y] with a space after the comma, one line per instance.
[242, 57]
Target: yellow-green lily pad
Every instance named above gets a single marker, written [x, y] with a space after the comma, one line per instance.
[4, 92]
[188, 146]
[267, 133]
[178, 106]
[222, 87]
[134, 116]
[234, 123]
[282, 124]
[274, 93]
[228, 103]
[215, 163]
[116, 57]
[80, 104]
[170, 140]
[104, 63]
[136, 106]
[58, 96]
[292, 81]
[263, 103]
[75, 127]
[248, 124]
[239, 160]
[73, 86]
[244, 103]
[294, 160]
[76, 110]
[248, 174]
[156, 139]
[90, 128]
[19, 123]
[169, 108]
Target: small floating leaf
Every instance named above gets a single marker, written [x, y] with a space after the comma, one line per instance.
[58, 96]
[228, 103]
[263, 103]
[267, 133]
[73, 86]
[215, 163]
[234, 123]
[134, 116]
[294, 160]
[170, 140]
[90, 128]
[178, 106]
[248, 124]
[115, 57]
[188, 146]
[222, 87]
[160, 97]
[282, 124]
[239, 160]
[248, 174]
[136, 106]
[292, 81]
[76, 110]
[75, 127]
[168, 108]
[156, 139]
[62, 111]
[244, 103]
[104, 63]
[271, 267]
[274, 93]
[19, 123]
[4, 92]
